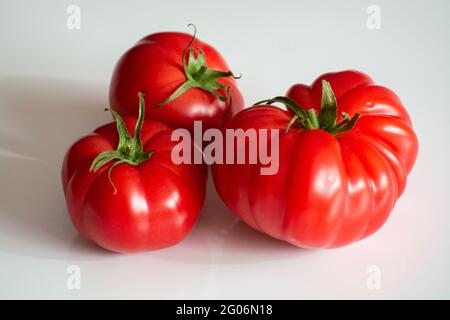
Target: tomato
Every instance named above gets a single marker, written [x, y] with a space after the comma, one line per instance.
[346, 147]
[186, 80]
[133, 197]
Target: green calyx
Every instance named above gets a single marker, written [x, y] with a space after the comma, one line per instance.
[200, 76]
[129, 149]
[309, 119]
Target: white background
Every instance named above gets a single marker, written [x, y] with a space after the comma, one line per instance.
[54, 85]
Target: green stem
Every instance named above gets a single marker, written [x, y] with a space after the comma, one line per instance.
[310, 120]
[129, 150]
[198, 75]
[180, 90]
[136, 150]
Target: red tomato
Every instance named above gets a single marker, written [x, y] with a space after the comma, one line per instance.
[183, 84]
[133, 198]
[339, 175]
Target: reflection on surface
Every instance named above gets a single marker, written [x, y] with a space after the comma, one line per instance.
[39, 120]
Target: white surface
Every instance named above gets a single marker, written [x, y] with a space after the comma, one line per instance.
[54, 85]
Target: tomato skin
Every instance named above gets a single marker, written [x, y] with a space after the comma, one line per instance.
[329, 190]
[156, 204]
[154, 65]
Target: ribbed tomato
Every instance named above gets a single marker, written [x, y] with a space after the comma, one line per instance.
[346, 147]
[123, 190]
[185, 80]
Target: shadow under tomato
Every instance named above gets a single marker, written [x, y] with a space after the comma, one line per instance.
[227, 239]
[39, 119]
